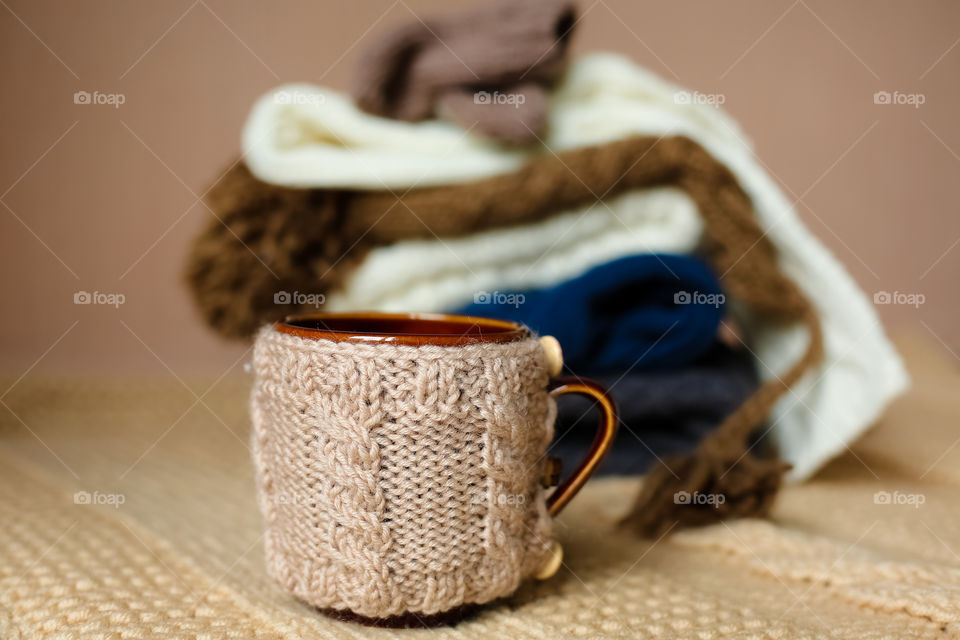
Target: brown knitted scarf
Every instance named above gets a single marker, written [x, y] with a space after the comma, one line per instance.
[303, 237]
[486, 69]
[265, 241]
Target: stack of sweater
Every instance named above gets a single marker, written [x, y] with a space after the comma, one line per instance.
[477, 170]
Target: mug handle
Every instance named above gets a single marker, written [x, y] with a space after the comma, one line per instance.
[606, 430]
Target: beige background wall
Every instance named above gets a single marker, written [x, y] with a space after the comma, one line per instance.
[99, 198]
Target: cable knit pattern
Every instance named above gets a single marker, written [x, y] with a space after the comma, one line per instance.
[398, 479]
[182, 556]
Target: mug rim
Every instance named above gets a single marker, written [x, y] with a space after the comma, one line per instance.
[376, 327]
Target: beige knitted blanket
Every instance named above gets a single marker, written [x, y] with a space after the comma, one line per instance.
[128, 510]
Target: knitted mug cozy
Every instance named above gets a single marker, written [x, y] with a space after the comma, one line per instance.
[401, 479]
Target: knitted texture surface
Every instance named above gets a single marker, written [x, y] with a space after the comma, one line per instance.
[398, 479]
[262, 241]
[182, 556]
[311, 239]
[438, 65]
[734, 243]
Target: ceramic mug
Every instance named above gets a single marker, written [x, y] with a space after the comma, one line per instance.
[401, 460]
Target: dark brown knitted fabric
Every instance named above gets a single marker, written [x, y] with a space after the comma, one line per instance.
[317, 227]
[486, 69]
[322, 232]
[263, 245]
[541, 188]
[724, 464]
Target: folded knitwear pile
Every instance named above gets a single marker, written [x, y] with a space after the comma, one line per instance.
[476, 169]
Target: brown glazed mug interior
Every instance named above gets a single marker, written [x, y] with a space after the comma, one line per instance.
[412, 329]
